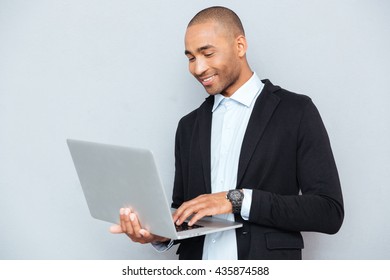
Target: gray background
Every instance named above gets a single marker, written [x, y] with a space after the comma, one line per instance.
[114, 72]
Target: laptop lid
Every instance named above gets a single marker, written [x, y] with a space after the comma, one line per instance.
[113, 177]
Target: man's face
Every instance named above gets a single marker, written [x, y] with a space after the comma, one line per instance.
[213, 58]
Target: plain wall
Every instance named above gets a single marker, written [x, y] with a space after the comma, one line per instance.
[115, 72]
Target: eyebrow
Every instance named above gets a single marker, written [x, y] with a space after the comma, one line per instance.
[206, 47]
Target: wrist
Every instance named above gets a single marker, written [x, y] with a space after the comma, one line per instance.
[235, 197]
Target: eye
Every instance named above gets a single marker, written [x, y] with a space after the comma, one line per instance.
[208, 54]
[191, 58]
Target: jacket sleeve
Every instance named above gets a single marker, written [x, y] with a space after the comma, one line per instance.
[178, 188]
[319, 206]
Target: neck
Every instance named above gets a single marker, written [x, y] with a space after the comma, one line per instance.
[245, 75]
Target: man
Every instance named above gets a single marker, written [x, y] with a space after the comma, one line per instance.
[252, 152]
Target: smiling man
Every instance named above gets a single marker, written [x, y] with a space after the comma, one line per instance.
[252, 152]
[217, 55]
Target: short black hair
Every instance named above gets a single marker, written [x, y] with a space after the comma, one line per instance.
[222, 15]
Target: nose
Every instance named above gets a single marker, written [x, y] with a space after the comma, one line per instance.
[199, 66]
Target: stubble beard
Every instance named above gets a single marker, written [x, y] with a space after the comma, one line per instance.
[223, 89]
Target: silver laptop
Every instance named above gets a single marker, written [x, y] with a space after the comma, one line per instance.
[113, 177]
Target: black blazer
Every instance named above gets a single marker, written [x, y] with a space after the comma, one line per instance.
[285, 158]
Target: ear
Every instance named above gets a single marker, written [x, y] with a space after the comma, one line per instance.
[242, 45]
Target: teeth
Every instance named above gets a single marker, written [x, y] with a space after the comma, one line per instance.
[208, 79]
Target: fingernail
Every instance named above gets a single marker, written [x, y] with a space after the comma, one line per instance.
[142, 232]
[122, 211]
[132, 217]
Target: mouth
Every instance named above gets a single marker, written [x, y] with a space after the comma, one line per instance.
[207, 81]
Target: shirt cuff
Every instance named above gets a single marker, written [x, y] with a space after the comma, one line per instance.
[246, 204]
[162, 246]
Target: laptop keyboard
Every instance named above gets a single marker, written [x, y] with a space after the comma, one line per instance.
[185, 226]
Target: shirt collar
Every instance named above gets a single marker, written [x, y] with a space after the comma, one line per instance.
[245, 94]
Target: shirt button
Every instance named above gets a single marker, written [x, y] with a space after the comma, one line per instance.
[213, 241]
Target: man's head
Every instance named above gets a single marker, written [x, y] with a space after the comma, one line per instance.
[216, 47]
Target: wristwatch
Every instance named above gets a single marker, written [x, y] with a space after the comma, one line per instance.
[235, 197]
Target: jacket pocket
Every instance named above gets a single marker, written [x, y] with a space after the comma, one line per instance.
[284, 240]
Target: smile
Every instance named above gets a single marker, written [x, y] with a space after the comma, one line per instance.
[207, 81]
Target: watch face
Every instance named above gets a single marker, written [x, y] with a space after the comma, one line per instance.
[235, 195]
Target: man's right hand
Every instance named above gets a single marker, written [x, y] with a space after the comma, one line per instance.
[130, 225]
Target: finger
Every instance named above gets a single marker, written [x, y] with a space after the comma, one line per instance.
[116, 229]
[136, 227]
[122, 219]
[185, 205]
[178, 217]
[196, 217]
[126, 223]
[187, 209]
[146, 235]
[187, 212]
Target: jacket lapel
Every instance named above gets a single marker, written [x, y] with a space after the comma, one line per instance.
[205, 119]
[265, 105]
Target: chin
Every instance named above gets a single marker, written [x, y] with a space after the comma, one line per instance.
[212, 91]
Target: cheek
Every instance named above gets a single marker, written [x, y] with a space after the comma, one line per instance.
[224, 63]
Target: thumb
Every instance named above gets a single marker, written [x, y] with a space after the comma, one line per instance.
[116, 229]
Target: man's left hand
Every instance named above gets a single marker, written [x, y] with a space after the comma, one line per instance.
[203, 205]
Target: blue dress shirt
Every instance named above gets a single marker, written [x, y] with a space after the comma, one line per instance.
[229, 122]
